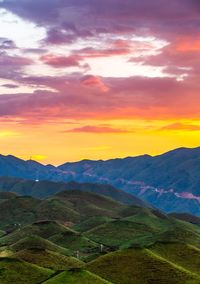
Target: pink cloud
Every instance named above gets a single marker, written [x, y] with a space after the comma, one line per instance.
[178, 57]
[94, 81]
[117, 22]
[97, 129]
[102, 98]
[61, 61]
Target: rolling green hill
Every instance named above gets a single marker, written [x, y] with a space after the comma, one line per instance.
[141, 266]
[82, 237]
[44, 229]
[90, 204]
[35, 242]
[17, 271]
[77, 277]
[66, 207]
[126, 231]
[48, 259]
[17, 210]
[186, 256]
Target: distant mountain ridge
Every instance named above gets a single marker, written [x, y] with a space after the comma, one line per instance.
[45, 189]
[170, 181]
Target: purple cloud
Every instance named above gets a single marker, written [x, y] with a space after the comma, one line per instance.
[109, 16]
[10, 86]
[6, 43]
[77, 96]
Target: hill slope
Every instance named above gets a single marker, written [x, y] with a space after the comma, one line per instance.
[106, 242]
[44, 189]
[141, 267]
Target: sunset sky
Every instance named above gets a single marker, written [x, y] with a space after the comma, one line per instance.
[98, 79]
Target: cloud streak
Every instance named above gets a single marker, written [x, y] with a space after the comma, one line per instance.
[97, 129]
[181, 127]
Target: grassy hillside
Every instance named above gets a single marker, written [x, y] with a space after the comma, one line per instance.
[17, 210]
[35, 242]
[118, 233]
[48, 259]
[77, 277]
[68, 207]
[73, 241]
[91, 222]
[56, 209]
[44, 229]
[17, 271]
[141, 266]
[186, 256]
[2, 233]
[182, 232]
[90, 204]
[81, 237]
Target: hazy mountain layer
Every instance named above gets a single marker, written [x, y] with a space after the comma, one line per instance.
[170, 181]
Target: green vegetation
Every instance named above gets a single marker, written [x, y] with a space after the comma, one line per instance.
[82, 237]
[141, 266]
[91, 223]
[77, 277]
[44, 229]
[35, 242]
[68, 207]
[17, 271]
[118, 233]
[17, 211]
[2, 233]
[55, 209]
[74, 241]
[48, 259]
[186, 256]
[90, 204]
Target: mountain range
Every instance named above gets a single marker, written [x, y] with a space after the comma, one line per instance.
[170, 181]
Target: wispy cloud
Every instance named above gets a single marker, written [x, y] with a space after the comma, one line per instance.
[97, 129]
[181, 127]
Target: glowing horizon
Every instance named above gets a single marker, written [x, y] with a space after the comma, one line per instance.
[98, 79]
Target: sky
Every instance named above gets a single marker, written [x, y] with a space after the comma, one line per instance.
[98, 79]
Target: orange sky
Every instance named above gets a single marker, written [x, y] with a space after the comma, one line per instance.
[115, 79]
[149, 137]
